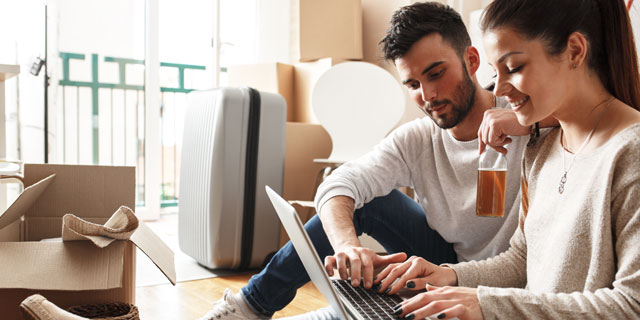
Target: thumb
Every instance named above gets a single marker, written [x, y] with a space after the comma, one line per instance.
[502, 150]
[481, 146]
[430, 287]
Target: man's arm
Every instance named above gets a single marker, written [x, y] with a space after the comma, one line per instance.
[358, 182]
[337, 220]
[350, 258]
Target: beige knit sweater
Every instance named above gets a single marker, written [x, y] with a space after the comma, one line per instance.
[578, 256]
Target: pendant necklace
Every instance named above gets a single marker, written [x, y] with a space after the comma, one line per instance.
[566, 169]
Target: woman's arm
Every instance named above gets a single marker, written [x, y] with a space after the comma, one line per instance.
[507, 269]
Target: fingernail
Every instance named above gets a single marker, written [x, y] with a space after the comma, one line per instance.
[409, 316]
[374, 278]
[441, 316]
[397, 312]
[368, 284]
[376, 287]
[387, 291]
[411, 285]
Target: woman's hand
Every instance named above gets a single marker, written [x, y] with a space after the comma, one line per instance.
[414, 273]
[496, 127]
[442, 302]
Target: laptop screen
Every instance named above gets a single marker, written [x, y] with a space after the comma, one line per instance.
[306, 251]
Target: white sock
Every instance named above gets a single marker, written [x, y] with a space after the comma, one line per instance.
[242, 300]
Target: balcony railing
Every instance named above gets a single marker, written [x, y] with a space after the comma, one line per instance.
[104, 123]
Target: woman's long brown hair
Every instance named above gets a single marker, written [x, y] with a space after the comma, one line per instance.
[605, 23]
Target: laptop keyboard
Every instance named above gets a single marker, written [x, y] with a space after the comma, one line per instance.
[369, 303]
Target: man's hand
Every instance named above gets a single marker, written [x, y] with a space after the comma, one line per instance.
[350, 258]
[496, 127]
[359, 262]
[414, 273]
[444, 303]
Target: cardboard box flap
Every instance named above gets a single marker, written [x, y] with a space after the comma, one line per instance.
[156, 250]
[24, 201]
[76, 265]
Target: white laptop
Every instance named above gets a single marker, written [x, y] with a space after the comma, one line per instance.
[348, 302]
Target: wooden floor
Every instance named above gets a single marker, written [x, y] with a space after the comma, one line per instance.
[191, 300]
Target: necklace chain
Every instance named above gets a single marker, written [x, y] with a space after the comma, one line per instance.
[566, 169]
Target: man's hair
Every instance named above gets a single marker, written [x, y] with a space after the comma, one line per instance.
[410, 23]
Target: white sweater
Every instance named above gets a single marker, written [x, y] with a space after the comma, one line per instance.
[443, 173]
[579, 254]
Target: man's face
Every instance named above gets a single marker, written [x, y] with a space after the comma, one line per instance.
[437, 80]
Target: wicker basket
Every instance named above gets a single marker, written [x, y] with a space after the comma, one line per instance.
[107, 311]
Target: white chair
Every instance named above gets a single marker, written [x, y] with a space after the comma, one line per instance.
[358, 103]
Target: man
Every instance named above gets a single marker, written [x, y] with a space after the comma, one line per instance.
[437, 156]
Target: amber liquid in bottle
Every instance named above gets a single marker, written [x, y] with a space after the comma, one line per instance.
[491, 193]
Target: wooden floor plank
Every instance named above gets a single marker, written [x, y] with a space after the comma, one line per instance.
[192, 299]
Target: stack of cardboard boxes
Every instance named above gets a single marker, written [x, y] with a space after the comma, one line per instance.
[323, 33]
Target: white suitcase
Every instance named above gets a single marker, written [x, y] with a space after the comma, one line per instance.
[233, 145]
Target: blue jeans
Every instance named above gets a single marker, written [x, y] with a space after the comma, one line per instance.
[396, 221]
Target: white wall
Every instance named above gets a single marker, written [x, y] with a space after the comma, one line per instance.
[22, 40]
[273, 36]
[239, 32]
[484, 73]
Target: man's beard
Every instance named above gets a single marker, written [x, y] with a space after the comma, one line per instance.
[464, 97]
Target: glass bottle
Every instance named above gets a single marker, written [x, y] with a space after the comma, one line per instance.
[492, 182]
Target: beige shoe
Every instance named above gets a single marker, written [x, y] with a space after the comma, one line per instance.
[37, 307]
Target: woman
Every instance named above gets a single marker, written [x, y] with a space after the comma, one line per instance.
[577, 251]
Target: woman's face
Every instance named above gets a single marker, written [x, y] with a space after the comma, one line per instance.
[532, 81]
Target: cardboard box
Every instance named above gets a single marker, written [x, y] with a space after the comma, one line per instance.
[72, 272]
[305, 76]
[270, 77]
[326, 29]
[304, 142]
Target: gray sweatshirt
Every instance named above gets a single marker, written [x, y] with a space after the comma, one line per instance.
[577, 255]
[443, 173]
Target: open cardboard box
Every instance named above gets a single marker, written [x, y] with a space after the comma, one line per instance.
[72, 272]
